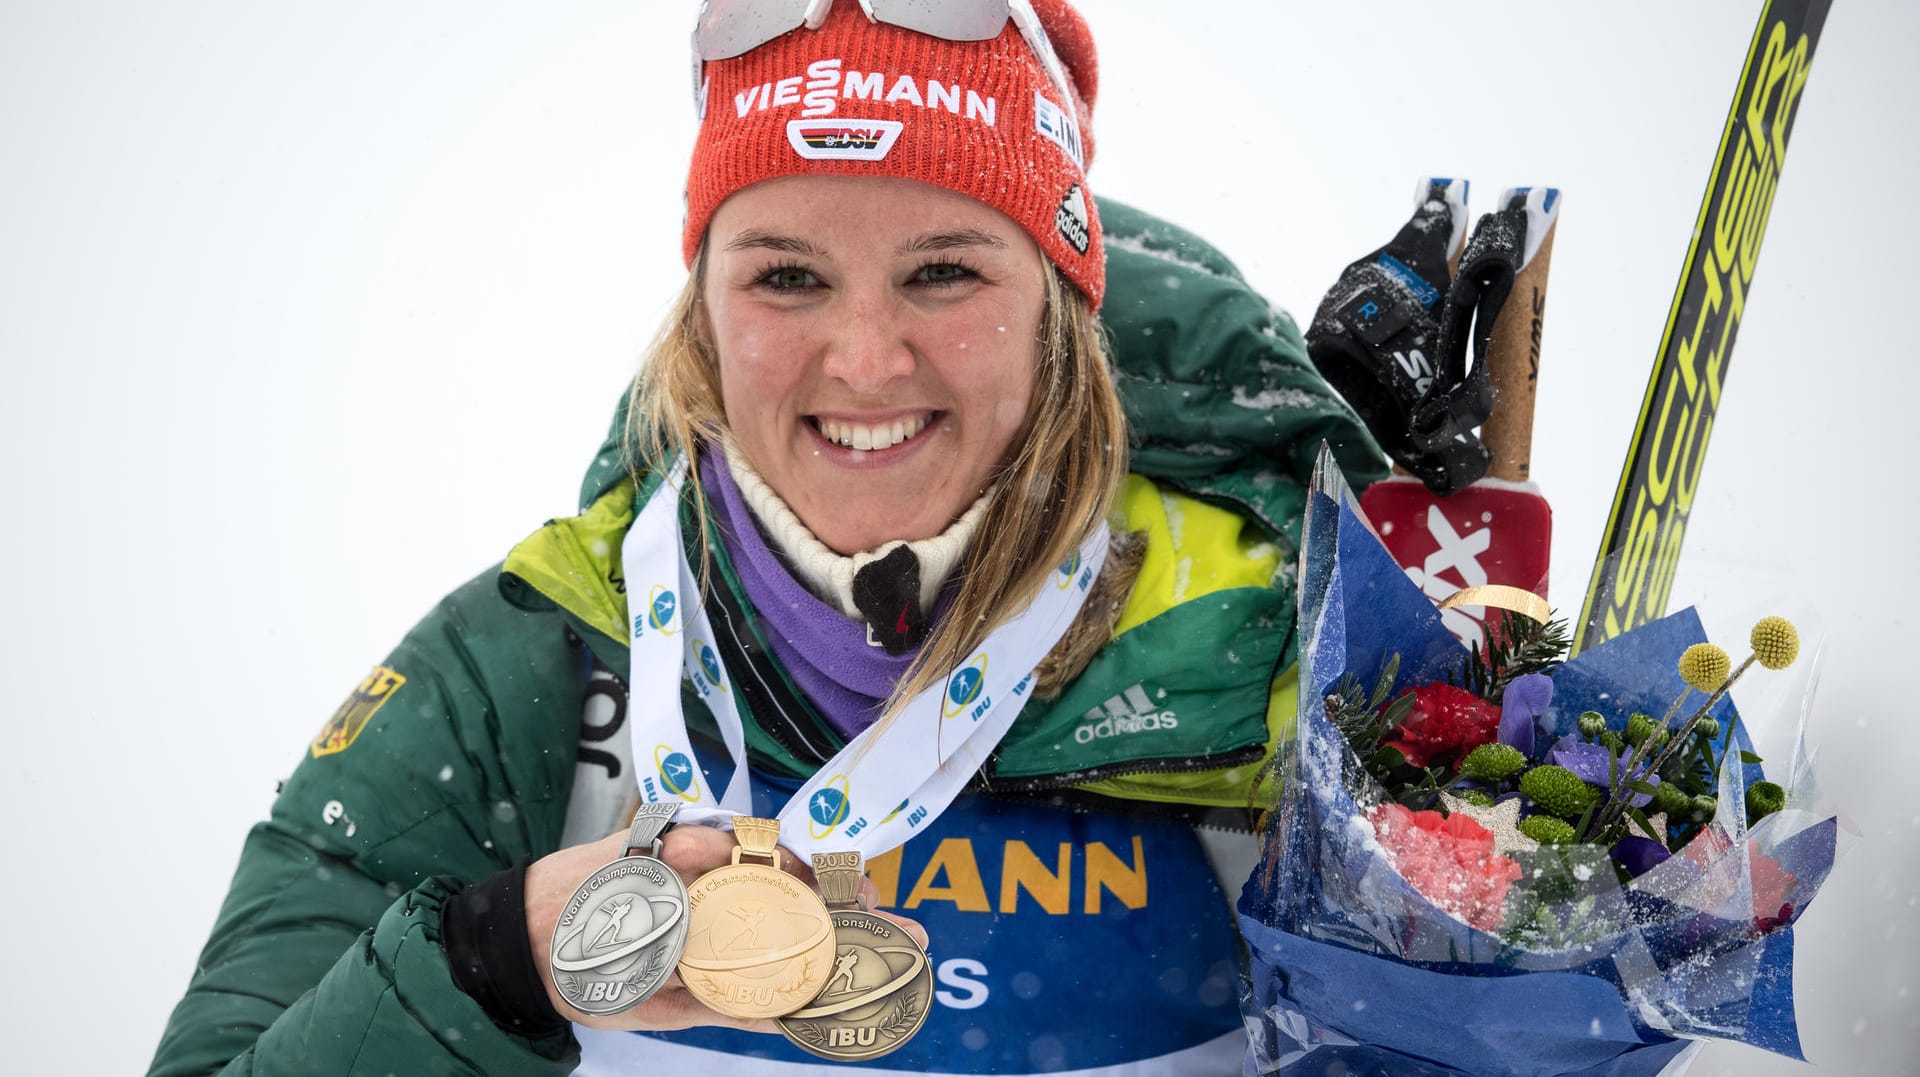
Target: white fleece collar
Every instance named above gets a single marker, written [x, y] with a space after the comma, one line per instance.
[829, 575]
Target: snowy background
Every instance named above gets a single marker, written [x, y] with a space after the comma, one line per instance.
[309, 311]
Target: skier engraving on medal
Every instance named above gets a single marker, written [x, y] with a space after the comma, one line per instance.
[876, 997]
[616, 911]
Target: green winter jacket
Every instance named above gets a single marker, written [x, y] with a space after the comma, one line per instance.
[456, 756]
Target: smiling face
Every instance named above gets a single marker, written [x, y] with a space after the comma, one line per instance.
[877, 342]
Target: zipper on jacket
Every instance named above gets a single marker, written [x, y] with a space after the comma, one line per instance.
[1204, 816]
[987, 781]
[770, 703]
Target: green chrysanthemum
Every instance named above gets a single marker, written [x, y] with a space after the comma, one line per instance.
[1776, 643]
[1763, 799]
[1704, 667]
[1707, 728]
[1640, 727]
[1492, 762]
[1558, 791]
[1670, 798]
[1592, 724]
[1547, 830]
[1704, 806]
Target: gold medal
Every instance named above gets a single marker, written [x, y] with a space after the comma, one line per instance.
[877, 993]
[759, 943]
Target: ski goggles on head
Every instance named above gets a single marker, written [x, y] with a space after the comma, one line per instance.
[729, 28]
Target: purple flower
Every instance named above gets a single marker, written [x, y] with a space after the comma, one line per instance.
[1592, 763]
[1525, 699]
[1638, 855]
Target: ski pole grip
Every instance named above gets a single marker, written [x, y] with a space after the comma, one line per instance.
[1513, 349]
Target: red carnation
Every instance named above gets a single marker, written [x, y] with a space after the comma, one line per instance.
[1449, 860]
[1446, 723]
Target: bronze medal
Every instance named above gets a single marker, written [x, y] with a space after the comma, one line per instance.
[878, 991]
[760, 943]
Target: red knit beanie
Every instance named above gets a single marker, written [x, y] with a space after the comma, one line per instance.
[860, 98]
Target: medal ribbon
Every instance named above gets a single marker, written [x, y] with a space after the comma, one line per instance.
[882, 787]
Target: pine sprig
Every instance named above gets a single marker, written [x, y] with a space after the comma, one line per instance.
[1518, 646]
[1365, 718]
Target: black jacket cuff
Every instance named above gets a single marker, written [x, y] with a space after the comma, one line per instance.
[484, 932]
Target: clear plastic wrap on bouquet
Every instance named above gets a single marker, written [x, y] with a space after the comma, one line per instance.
[1356, 970]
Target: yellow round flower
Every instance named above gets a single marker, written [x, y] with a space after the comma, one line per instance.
[1776, 643]
[1704, 666]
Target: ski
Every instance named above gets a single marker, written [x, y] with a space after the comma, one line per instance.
[1640, 546]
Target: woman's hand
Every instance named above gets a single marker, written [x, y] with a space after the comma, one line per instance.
[691, 851]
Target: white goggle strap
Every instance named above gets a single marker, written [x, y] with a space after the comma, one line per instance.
[1028, 22]
[1020, 11]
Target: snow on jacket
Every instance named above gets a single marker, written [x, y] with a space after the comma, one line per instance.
[458, 754]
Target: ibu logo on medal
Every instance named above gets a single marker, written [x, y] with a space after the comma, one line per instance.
[827, 807]
[676, 772]
[964, 690]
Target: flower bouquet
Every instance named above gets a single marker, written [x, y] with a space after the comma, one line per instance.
[1491, 860]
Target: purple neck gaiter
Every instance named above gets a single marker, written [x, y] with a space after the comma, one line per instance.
[826, 653]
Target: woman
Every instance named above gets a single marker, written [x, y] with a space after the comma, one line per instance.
[902, 446]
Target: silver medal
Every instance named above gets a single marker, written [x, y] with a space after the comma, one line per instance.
[621, 933]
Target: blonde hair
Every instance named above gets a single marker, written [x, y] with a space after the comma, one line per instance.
[1055, 486]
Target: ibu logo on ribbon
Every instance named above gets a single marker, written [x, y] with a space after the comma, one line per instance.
[1067, 570]
[827, 808]
[915, 816]
[662, 605]
[707, 675]
[964, 688]
[677, 775]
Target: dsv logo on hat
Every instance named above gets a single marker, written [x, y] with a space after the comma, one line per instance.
[964, 688]
[843, 140]
[677, 775]
[827, 807]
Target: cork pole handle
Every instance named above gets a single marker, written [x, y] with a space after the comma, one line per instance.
[1513, 347]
